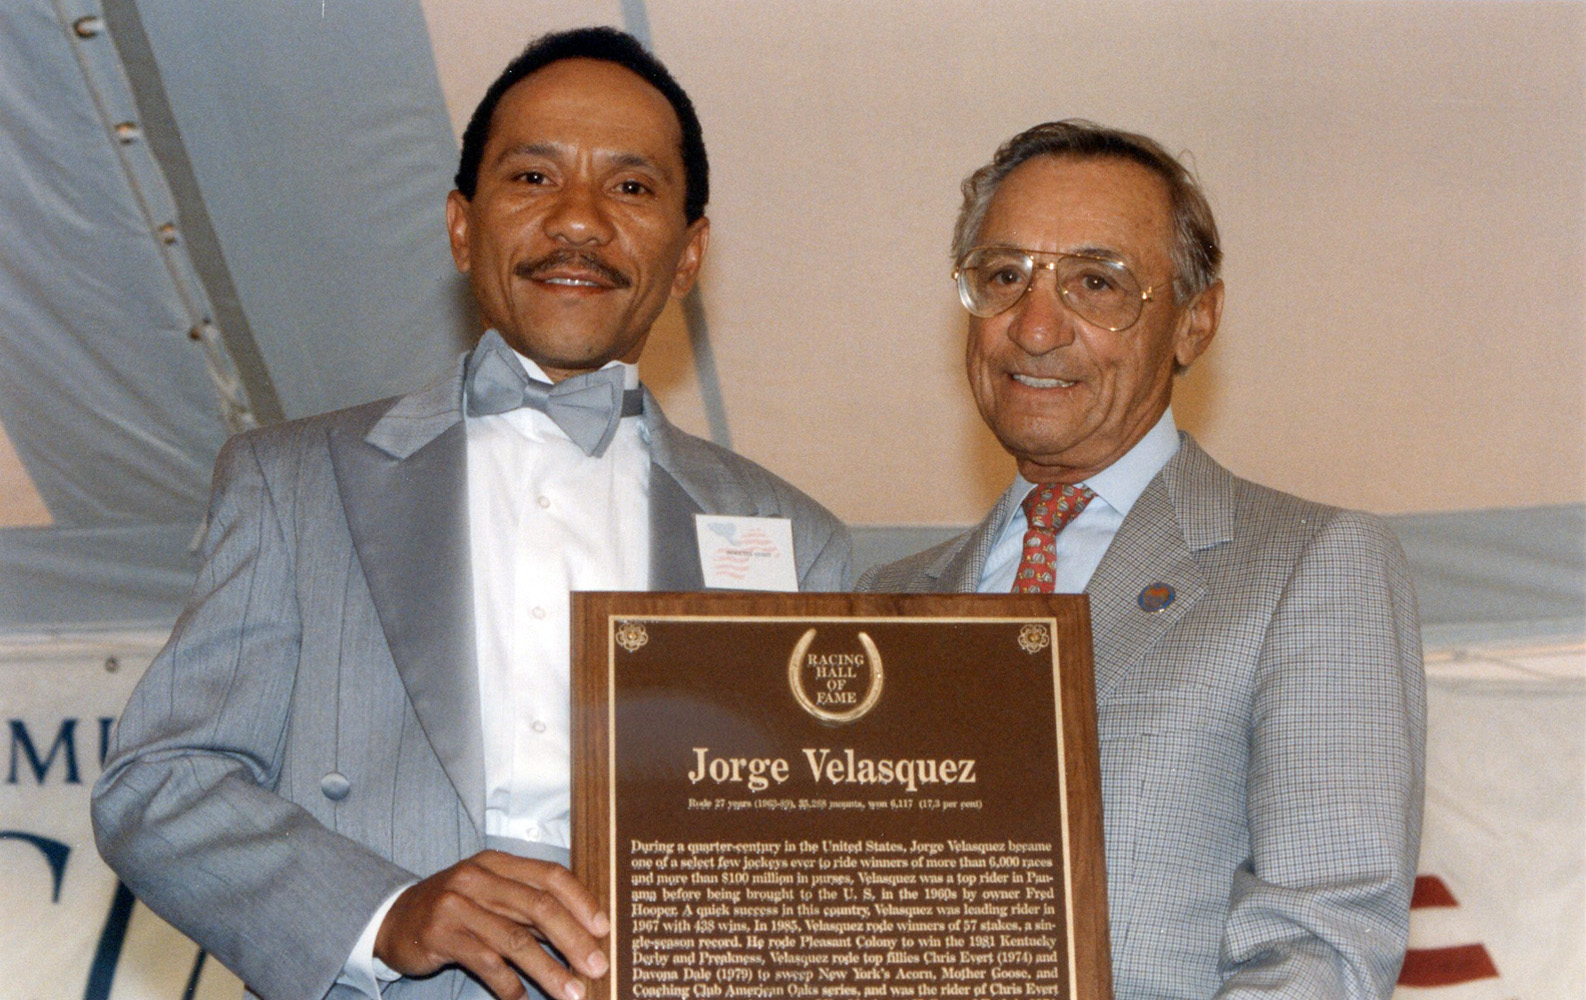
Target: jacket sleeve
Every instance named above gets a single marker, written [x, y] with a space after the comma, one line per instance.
[1335, 784]
[186, 812]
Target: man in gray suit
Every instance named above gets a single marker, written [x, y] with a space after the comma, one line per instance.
[1258, 666]
[369, 686]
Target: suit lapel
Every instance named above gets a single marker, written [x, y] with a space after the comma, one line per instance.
[960, 569]
[687, 477]
[1184, 509]
[404, 490]
[674, 551]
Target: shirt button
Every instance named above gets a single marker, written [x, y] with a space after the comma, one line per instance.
[538, 612]
[543, 501]
[538, 726]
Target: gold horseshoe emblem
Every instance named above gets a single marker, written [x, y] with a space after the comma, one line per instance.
[795, 665]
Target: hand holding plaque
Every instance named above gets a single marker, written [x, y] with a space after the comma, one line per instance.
[489, 914]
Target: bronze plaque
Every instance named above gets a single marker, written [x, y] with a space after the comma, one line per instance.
[833, 795]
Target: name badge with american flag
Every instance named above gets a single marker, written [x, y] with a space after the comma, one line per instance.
[746, 553]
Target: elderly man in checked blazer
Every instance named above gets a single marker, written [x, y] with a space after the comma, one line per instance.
[1260, 696]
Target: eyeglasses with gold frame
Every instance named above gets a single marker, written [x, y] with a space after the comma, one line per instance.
[1100, 290]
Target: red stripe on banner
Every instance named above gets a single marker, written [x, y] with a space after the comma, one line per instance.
[1446, 966]
[1430, 891]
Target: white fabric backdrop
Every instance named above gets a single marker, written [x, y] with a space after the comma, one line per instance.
[1505, 823]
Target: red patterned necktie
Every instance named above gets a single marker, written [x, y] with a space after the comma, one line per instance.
[1048, 509]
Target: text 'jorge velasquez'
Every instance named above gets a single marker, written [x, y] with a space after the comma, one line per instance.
[842, 767]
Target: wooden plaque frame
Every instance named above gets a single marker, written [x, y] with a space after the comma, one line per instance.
[1001, 682]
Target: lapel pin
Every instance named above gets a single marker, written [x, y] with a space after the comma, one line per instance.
[1155, 598]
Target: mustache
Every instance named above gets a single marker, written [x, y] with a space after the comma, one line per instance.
[581, 258]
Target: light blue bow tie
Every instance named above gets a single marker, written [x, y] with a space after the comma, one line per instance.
[586, 407]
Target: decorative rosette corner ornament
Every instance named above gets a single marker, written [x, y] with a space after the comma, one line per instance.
[631, 636]
[1033, 638]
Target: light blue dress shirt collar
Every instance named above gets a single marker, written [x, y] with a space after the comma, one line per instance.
[1122, 482]
[1081, 545]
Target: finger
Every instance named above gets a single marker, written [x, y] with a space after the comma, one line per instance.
[518, 944]
[439, 927]
[444, 925]
[529, 913]
[498, 975]
[541, 915]
[555, 879]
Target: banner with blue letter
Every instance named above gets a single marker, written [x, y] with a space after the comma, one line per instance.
[68, 928]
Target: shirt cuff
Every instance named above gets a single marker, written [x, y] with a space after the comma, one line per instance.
[364, 972]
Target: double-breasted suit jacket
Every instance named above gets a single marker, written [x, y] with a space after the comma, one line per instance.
[1261, 736]
[309, 739]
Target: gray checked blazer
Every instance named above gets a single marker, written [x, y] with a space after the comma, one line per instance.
[1262, 736]
[309, 739]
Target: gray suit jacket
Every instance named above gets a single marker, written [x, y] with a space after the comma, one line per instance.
[1261, 738]
[309, 738]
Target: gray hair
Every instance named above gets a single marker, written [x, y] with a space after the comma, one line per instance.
[1197, 255]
